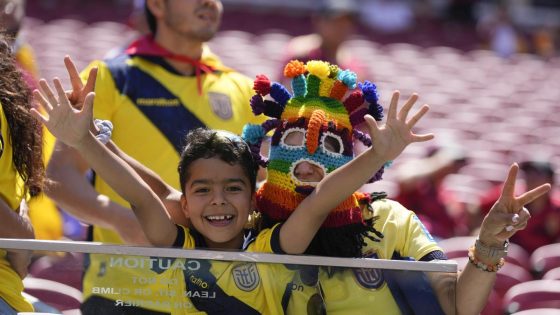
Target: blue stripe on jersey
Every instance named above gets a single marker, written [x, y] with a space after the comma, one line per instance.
[158, 104]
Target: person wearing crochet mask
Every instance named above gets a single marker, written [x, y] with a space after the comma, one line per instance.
[314, 130]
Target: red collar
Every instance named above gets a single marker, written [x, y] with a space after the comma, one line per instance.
[146, 46]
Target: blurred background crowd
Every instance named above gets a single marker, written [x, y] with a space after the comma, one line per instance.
[489, 70]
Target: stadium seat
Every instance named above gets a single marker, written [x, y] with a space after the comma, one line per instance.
[67, 269]
[539, 311]
[532, 294]
[546, 258]
[53, 293]
[552, 274]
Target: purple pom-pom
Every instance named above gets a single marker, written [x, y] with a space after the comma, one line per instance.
[257, 104]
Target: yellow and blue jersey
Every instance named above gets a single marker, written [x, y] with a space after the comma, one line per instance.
[222, 287]
[152, 108]
[12, 193]
[361, 290]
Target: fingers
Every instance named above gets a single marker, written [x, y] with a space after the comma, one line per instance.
[533, 194]
[392, 114]
[88, 104]
[40, 117]
[62, 98]
[90, 84]
[38, 96]
[73, 73]
[47, 92]
[419, 114]
[509, 184]
[403, 113]
[372, 126]
[424, 137]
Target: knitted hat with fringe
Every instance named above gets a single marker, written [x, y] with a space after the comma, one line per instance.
[326, 106]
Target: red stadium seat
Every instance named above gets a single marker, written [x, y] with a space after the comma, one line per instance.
[55, 294]
[545, 258]
[533, 294]
[552, 274]
[510, 275]
[67, 269]
[539, 311]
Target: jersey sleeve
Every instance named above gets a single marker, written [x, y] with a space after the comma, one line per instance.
[184, 238]
[417, 241]
[106, 93]
[267, 241]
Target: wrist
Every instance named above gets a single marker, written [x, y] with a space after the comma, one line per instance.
[490, 254]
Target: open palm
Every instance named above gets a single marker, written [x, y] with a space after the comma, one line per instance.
[66, 123]
[392, 138]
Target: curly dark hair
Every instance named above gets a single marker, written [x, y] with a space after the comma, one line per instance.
[25, 131]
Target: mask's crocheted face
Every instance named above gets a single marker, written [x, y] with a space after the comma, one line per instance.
[315, 127]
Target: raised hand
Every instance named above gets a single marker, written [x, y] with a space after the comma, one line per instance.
[66, 123]
[79, 91]
[392, 138]
[508, 215]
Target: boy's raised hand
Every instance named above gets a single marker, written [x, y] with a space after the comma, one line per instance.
[66, 123]
[396, 134]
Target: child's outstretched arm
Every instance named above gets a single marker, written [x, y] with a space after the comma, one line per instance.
[71, 126]
[388, 141]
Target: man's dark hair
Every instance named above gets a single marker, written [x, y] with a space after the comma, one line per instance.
[203, 143]
[152, 24]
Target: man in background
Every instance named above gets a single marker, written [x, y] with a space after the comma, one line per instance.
[162, 86]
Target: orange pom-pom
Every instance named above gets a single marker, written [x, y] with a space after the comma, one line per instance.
[294, 68]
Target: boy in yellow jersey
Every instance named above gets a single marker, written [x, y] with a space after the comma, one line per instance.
[161, 87]
[217, 176]
[21, 176]
[323, 109]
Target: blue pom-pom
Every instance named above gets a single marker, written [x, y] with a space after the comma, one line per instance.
[279, 93]
[370, 92]
[349, 78]
[253, 134]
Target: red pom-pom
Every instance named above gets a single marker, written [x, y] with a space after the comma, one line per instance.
[353, 101]
[262, 85]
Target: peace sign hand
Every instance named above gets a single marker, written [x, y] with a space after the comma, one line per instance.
[508, 215]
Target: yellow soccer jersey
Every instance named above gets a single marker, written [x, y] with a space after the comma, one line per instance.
[152, 107]
[221, 287]
[361, 291]
[11, 193]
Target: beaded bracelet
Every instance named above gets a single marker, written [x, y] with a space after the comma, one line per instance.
[482, 266]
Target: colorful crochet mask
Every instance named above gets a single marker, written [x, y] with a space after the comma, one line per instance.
[323, 112]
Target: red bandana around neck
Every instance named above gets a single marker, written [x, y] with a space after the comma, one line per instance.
[147, 46]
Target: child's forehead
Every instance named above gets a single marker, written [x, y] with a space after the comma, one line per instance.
[215, 168]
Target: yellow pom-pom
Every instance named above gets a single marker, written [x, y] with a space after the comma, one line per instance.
[318, 68]
[294, 68]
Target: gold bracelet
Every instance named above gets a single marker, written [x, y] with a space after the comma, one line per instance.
[482, 266]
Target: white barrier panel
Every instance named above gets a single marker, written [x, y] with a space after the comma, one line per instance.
[221, 282]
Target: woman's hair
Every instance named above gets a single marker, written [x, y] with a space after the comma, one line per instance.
[25, 131]
[203, 143]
